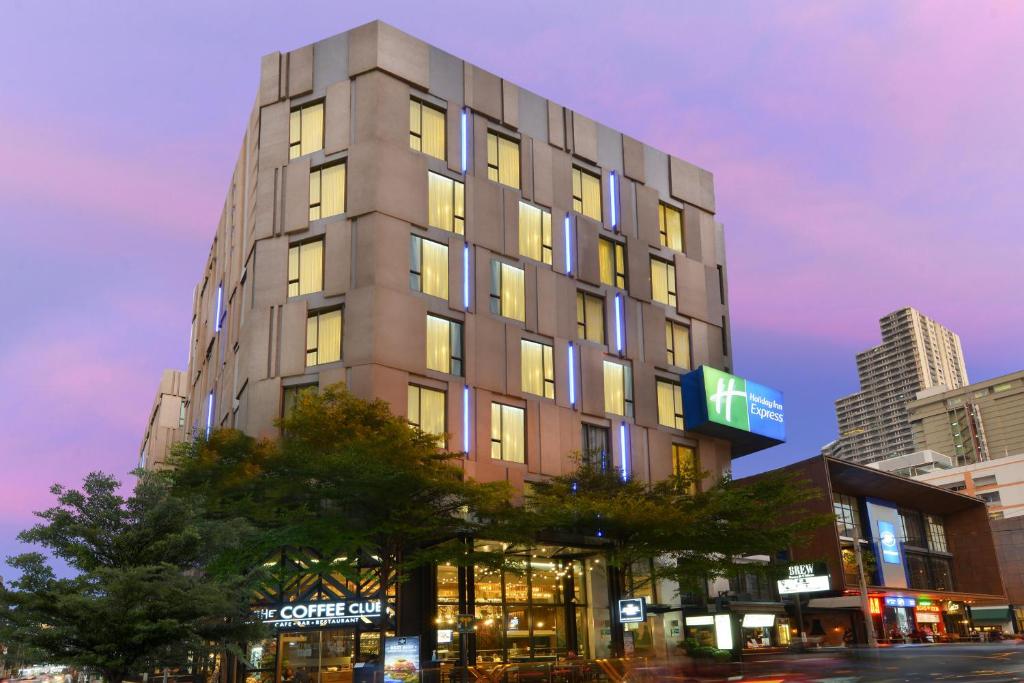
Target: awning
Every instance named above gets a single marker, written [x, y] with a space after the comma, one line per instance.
[845, 602]
[760, 607]
[990, 615]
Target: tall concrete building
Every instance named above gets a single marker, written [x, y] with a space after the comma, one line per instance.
[916, 353]
[166, 425]
[509, 274]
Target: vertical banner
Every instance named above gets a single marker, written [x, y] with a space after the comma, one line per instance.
[402, 659]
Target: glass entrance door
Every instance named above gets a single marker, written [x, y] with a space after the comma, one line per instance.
[317, 656]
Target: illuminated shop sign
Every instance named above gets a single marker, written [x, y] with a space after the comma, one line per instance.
[887, 539]
[805, 578]
[632, 610]
[749, 415]
[320, 613]
[900, 601]
[921, 607]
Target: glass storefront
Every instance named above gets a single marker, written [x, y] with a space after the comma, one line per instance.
[325, 656]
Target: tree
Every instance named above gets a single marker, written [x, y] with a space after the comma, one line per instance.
[139, 598]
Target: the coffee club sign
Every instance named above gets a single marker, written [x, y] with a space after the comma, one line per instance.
[320, 613]
[749, 415]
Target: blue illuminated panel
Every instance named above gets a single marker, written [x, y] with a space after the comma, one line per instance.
[618, 323]
[614, 201]
[465, 141]
[465, 419]
[465, 275]
[625, 452]
[572, 376]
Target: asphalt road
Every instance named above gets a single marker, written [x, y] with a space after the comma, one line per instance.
[992, 663]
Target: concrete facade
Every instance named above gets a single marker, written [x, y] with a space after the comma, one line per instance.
[916, 353]
[1000, 483]
[166, 425]
[249, 341]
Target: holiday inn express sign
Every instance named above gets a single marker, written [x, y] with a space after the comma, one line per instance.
[749, 415]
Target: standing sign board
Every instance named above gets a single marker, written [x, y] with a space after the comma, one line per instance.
[632, 610]
[402, 659]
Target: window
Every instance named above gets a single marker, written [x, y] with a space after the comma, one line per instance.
[912, 528]
[323, 337]
[590, 317]
[507, 291]
[538, 368]
[847, 515]
[508, 433]
[447, 203]
[426, 129]
[618, 389]
[306, 268]
[291, 397]
[306, 130]
[534, 233]
[428, 267]
[595, 446]
[502, 160]
[586, 193]
[991, 497]
[685, 466]
[663, 282]
[612, 257]
[427, 411]
[936, 534]
[677, 342]
[670, 227]
[941, 573]
[670, 404]
[444, 345]
[326, 191]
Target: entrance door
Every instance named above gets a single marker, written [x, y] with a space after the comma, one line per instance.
[317, 656]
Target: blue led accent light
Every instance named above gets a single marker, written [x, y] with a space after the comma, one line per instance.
[615, 201]
[465, 419]
[465, 141]
[465, 275]
[572, 376]
[220, 302]
[568, 247]
[618, 323]
[209, 413]
[625, 451]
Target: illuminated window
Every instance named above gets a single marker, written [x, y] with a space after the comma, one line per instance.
[306, 130]
[677, 343]
[586, 193]
[612, 257]
[326, 191]
[618, 389]
[502, 160]
[670, 227]
[323, 337]
[428, 267]
[663, 282]
[538, 368]
[444, 345]
[447, 203]
[534, 233]
[590, 317]
[685, 466]
[508, 433]
[427, 411]
[670, 404]
[508, 294]
[306, 268]
[426, 129]
[595, 446]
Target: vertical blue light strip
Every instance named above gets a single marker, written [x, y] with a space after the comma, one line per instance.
[465, 275]
[209, 412]
[465, 419]
[618, 323]
[572, 376]
[568, 246]
[625, 451]
[465, 141]
[615, 201]
[220, 302]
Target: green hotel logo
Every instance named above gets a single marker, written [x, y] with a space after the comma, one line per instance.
[726, 398]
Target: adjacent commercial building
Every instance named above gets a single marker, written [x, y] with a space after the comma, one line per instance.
[508, 274]
[166, 425]
[916, 353]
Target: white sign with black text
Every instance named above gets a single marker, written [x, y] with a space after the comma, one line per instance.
[804, 578]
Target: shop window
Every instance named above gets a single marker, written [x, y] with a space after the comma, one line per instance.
[426, 129]
[444, 345]
[428, 267]
[670, 404]
[323, 337]
[586, 193]
[446, 203]
[306, 130]
[590, 317]
[427, 411]
[508, 291]
[595, 446]
[663, 282]
[535, 233]
[306, 268]
[326, 191]
[685, 466]
[502, 159]
[537, 368]
[618, 389]
[612, 258]
[677, 344]
[670, 227]
[508, 433]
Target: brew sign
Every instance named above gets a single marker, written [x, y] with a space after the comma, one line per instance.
[804, 578]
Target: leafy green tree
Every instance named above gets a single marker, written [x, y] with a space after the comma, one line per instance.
[139, 598]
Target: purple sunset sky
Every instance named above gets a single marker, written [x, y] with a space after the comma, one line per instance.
[867, 156]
